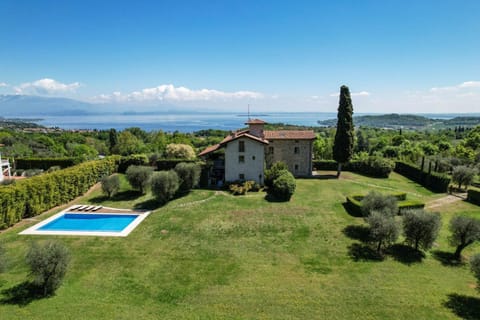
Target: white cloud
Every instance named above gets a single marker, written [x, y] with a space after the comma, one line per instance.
[168, 92]
[458, 87]
[3, 84]
[46, 86]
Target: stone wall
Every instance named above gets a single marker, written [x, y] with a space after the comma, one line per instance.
[299, 163]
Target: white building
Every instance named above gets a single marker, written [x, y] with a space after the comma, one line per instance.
[4, 167]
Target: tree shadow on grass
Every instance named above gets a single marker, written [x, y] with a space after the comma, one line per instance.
[271, 198]
[22, 294]
[351, 211]
[362, 252]
[447, 258]
[150, 204]
[405, 254]
[464, 306]
[357, 232]
[128, 195]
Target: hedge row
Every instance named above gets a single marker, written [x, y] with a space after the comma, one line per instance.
[45, 163]
[433, 181]
[30, 197]
[354, 203]
[168, 164]
[473, 196]
[127, 161]
[373, 166]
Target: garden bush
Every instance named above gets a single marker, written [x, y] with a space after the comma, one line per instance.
[165, 185]
[372, 166]
[242, 188]
[274, 172]
[45, 163]
[189, 175]
[354, 203]
[383, 229]
[473, 196]
[168, 164]
[283, 186]
[139, 177]
[48, 265]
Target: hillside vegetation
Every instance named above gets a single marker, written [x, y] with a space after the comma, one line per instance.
[211, 255]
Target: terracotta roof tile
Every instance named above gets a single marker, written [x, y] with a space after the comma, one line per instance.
[255, 121]
[289, 134]
[209, 149]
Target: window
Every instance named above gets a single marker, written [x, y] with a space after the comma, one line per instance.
[253, 157]
[296, 150]
[296, 167]
[241, 176]
[241, 146]
[241, 159]
[270, 150]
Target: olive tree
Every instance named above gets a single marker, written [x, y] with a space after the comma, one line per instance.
[164, 185]
[189, 175]
[465, 231]
[463, 175]
[110, 185]
[375, 201]
[383, 229]
[48, 265]
[139, 177]
[420, 228]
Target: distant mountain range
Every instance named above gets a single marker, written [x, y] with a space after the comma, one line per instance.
[37, 106]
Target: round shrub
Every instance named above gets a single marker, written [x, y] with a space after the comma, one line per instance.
[274, 172]
[420, 228]
[283, 186]
[165, 185]
[375, 201]
[139, 177]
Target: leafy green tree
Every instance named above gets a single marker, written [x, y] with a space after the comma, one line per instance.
[475, 267]
[128, 144]
[343, 146]
[110, 185]
[420, 228]
[189, 175]
[465, 231]
[463, 175]
[383, 229]
[48, 265]
[375, 201]
[165, 185]
[139, 177]
[179, 151]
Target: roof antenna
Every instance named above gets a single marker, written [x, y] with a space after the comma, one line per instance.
[249, 112]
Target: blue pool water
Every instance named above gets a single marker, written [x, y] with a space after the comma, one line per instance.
[90, 222]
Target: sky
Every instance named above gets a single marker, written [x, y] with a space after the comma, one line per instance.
[400, 56]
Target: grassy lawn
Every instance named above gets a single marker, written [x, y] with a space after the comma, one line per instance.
[210, 255]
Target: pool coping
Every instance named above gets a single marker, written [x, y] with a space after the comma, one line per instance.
[141, 215]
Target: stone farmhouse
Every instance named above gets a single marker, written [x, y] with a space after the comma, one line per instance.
[244, 154]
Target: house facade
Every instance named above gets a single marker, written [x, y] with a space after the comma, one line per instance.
[244, 154]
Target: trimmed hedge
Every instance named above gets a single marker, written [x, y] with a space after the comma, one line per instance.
[131, 160]
[373, 166]
[473, 196]
[354, 203]
[45, 163]
[30, 197]
[433, 181]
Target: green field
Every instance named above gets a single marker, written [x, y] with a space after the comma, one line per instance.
[211, 255]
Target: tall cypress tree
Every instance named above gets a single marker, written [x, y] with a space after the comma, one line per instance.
[343, 146]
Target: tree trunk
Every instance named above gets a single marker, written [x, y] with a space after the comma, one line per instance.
[416, 244]
[339, 170]
[379, 246]
[458, 252]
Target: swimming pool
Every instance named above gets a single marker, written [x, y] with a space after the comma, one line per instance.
[90, 224]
